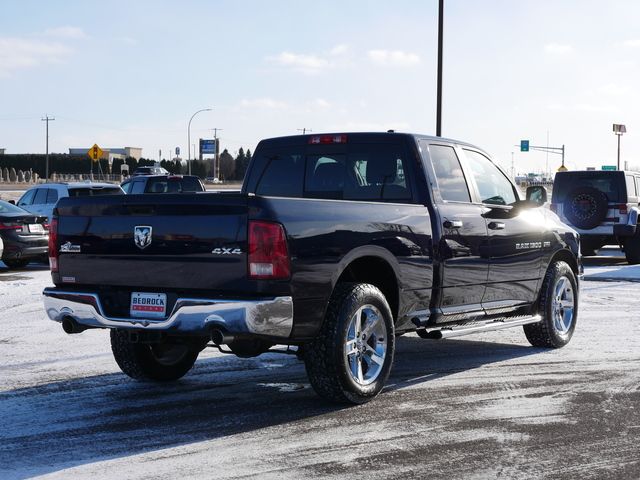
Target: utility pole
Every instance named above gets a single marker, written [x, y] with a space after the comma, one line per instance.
[216, 159]
[439, 93]
[304, 130]
[47, 119]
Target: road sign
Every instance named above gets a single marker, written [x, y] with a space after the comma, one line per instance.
[207, 146]
[95, 153]
[524, 145]
[562, 168]
[609, 168]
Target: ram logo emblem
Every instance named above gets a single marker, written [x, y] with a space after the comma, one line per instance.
[142, 236]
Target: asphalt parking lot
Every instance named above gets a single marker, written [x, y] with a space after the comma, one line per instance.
[486, 406]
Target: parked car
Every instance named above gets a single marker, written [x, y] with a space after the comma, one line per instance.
[23, 236]
[163, 184]
[150, 171]
[336, 244]
[41, 199]
[602, 206]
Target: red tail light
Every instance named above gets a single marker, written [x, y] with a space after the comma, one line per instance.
[53, 245]
[622, 208]
[268, 253]
[10, 226]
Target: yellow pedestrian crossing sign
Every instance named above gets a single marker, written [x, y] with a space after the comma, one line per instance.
[95, 152]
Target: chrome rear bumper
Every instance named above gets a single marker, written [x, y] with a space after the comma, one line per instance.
[271, 317]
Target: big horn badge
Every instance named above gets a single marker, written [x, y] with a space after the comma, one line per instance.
[142, 236]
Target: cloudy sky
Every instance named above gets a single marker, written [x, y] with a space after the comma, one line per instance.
[131, 73]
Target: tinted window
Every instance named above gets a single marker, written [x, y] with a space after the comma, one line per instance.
[282, 175]
[52, 196]
[27, 198]
[126, 187]
[325, 176]
[173, 185]
[91, 192]
[138, 186]
[449, 175]
[41, 196]
[494, 188]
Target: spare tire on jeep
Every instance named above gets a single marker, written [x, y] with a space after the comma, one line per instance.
[586, 207]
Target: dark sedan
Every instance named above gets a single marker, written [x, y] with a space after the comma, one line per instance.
[24, 235]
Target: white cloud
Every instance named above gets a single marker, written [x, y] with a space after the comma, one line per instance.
[614, 89]
[268, 103]
[393, 58]
[583, 107]
[309, 64]
[320, 103]
[370, 127]
[19, 53]
[339, 50]
[558, 49]
[66, 32]
[632, 43]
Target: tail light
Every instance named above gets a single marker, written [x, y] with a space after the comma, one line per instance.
[622, 208]
[53, 245]
[10, 226]
[268, 253]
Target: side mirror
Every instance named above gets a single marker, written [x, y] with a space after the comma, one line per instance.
[537, 194]
[12, 202]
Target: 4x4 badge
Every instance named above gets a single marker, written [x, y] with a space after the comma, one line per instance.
[142, 236]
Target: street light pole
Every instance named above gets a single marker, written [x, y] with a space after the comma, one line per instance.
[47, 119]
[619, 129]
[189, 135]
[439, 94]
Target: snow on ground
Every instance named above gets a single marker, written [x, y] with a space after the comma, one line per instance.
[485, 406]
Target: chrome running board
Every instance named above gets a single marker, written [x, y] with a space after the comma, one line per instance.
[477, 327]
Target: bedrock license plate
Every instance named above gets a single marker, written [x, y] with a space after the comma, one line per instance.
[148, 305]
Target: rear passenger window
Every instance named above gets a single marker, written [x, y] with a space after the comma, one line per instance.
[449, 175]
[41, 196]
[27, 198]
[52, 196]
[138, 187]
[282, 175]
[631, 186]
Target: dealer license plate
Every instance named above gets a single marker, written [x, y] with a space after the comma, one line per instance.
[148, 305]
[36, 228]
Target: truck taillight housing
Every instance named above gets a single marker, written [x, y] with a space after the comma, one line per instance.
[53, 245]
[268, 253]
[622, 208]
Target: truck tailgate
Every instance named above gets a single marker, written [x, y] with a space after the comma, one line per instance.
[179, 242]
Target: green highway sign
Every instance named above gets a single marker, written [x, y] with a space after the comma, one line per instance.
[524, 145]
[609, 167]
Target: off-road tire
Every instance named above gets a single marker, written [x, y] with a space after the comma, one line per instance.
[324, 357]
[545, 334]
[139, 361]
[16, 263]
[598, 201]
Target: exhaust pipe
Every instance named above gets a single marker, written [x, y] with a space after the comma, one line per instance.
[70, 326]
[221, 338]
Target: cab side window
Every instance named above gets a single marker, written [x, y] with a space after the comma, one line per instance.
[138, 186]
[27, 198]
[41, 196]
[449, 175]
[493, 186]
[52, 196]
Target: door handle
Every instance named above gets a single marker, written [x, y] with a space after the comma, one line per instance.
[452, 224]
[496, 226]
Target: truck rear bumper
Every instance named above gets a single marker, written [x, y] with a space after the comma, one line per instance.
[272, 317]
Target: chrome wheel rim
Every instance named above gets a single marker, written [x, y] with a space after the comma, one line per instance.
[563, 306]
[365, 347]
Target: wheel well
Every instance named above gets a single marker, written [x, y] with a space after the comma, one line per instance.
[566, 256]
[375, 271]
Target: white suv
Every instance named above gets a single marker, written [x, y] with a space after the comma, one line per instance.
[41, 199]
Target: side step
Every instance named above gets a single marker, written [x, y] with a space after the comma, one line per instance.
[477, 327]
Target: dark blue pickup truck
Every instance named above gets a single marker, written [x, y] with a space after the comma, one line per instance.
[336, 245]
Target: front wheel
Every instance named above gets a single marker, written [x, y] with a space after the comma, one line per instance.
[558, 306]
[350, 360]
[161, 362]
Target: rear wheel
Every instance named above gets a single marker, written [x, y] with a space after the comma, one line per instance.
[632, 249]
[156, 361]
[558, 306]
[351, 359]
